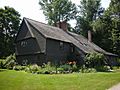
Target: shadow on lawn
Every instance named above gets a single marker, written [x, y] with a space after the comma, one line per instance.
[2, 70]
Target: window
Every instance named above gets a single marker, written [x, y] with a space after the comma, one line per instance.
[84, 44]
[23, 43]
[61, 45]
[72, 48]
[24, 62]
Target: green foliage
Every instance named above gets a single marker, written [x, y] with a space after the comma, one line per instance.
[45, 69]
[103, 68]
[18, 67]
[118, 61]
[96, 60]
[10, 62]
[107, 28]
[32, 68]
[66, 67]
[9, 25]
[88, 70]
[2, 61]
[60, 70]
[75, 68]
[58, 10]
[88, 14]
[48, 68]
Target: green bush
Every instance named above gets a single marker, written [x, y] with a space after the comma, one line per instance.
[48, 68]
[103, 68]
[88, 70]
[32, 68]
[60, 70]
[9, 63]
[27, 69]
[97, 61]
[66, 67]
[2, 62]
[18, 67]
[94, 59]
[118, 62]
[45, 69]
[75, 68]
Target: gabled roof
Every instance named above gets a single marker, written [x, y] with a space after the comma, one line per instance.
[58, 34]
[89, 44]
[48, 31]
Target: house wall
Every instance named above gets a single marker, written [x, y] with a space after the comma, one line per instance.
[27, 46]
[79, 56]
[31, 59]
[41, 40]
[57, 51]
[23, 32]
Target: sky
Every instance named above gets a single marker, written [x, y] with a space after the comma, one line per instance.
[31, 8]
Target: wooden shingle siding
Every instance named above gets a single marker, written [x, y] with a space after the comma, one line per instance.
[39, 43]
[31, 59]
[55, 52]
[27, 46]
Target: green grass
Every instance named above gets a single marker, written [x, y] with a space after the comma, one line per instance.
[20, 80]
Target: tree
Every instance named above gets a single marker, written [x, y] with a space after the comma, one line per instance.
[108, 27]
[9, 25]
[88, 13]
[58, 10]
[102, 27]
[114, 13]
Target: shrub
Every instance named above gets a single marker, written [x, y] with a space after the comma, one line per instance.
[103, 68]
[18, 67]
[94, 59]
[118, 62]
[97, 61]
[87, 70]
[66, 67]
[60, 70]
[74, 67]
[48, 68]
[32, 68]
[27, 69]
[2, 61]
[10, 62]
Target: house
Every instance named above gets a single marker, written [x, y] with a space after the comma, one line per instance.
[38, 43]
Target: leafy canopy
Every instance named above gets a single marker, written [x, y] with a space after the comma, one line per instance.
[87, 14]
[108, 28]
[9, 25]
[58, 10]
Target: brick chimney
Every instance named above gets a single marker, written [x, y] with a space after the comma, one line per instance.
[62, 25]
[89, 36]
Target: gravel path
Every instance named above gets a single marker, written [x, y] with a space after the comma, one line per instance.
[115, 87]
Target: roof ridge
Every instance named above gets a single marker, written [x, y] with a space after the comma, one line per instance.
[34, 20]
[29, 28]
[42, 23]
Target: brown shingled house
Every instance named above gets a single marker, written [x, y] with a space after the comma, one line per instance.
[38, 43]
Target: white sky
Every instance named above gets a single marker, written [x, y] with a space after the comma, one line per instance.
[31, 8]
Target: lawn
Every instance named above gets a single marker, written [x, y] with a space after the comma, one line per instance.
[20, 80]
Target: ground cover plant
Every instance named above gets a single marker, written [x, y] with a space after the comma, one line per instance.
[21, 80]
